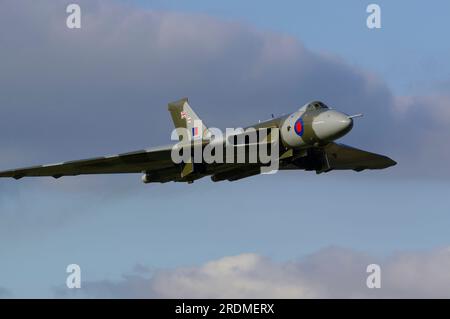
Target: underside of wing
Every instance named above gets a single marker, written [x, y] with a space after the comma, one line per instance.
[341, 157]
[134, 162]
[236, 173]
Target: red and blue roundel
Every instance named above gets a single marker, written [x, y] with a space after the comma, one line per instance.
[298, 127]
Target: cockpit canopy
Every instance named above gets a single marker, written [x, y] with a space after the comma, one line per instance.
[316, 105]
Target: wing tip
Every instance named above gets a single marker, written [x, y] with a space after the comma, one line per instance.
[390, 162]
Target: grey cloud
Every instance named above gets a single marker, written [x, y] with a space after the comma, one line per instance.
[67, 94]
[329, 273]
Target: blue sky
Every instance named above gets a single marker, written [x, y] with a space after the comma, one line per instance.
[110, 224]
[161, 227]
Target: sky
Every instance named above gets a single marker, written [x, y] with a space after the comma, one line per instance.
[103, 89]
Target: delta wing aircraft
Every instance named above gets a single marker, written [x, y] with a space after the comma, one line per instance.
[306, 142]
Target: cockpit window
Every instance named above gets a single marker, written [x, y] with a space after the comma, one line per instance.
[317, 105]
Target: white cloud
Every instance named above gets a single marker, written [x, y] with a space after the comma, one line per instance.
[328, 273]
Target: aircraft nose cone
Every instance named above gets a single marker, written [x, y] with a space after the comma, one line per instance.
[344, 123]
[332, 125]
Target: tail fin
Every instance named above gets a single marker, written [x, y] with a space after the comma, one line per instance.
[184, 117]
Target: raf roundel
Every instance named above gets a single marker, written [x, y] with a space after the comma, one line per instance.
[298, 127]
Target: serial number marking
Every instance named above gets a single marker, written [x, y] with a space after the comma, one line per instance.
[255, 308]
